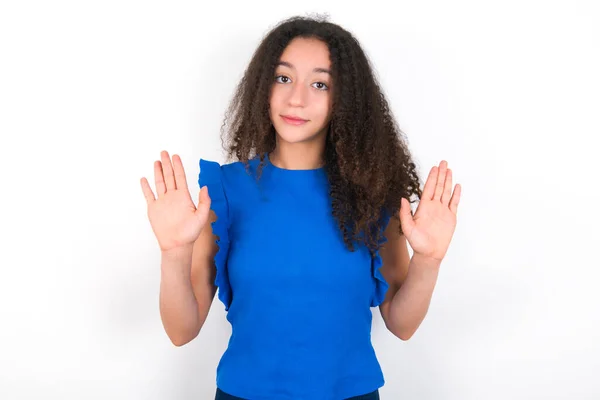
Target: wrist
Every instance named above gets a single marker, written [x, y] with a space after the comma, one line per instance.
[177, 252]
[176, 264]
[425, 262]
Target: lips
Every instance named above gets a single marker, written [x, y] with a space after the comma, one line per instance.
[293, 120]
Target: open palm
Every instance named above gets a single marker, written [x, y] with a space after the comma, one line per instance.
[430, 230]
[174, 218]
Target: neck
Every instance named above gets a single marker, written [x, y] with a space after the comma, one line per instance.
[298, 155]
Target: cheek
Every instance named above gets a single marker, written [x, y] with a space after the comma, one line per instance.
[275, 100]
[324, 107]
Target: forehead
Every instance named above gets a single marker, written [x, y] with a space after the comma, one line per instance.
[306, 54]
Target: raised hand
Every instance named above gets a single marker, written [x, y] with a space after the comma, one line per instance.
[175, 220]
[430, 230]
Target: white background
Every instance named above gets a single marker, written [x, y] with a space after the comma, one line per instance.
[90, 92]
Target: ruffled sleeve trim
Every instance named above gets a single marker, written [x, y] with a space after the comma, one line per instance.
[211, 175]
[381, 286]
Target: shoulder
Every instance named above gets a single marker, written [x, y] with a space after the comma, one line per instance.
[232, 178]
[234, 168]
[215, 169]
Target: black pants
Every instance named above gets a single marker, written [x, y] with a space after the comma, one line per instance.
[221, 395]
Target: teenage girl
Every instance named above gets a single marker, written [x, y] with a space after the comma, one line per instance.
[292, 233]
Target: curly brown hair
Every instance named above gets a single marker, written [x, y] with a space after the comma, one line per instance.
[367, 161]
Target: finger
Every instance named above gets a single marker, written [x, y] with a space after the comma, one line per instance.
[159, 180]
[406, 219]
[429, 187]
[179, 172]
[455, 199]
[167, 170]
[205, 195]
[447, 187]
[441, 178]
[148, 194]
[203, 198]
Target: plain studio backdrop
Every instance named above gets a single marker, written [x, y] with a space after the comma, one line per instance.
[91, 92]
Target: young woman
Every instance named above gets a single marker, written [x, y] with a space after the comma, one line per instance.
[292, 232]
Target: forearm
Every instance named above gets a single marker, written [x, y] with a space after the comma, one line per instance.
[178, 305]
[411, 302]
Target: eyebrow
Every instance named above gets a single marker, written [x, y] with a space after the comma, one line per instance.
[287, 64]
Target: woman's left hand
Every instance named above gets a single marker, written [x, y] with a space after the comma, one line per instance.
[430, 230]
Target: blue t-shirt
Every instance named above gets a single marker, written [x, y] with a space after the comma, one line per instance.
[297, 299]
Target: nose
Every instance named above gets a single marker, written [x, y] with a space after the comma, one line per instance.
[297, 96]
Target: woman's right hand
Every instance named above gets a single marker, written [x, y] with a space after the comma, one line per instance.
[175, 220]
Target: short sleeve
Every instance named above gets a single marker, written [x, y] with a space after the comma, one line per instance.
[381, 286]
[211, 175]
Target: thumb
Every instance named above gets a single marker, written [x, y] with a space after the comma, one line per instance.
[203, 200]
[406, 218]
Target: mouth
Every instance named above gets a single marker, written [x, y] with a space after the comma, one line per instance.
[293, 120]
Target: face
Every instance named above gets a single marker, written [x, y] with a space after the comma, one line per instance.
[302, 88]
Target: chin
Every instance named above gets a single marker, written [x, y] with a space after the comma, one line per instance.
[296, 135]
[297, 138]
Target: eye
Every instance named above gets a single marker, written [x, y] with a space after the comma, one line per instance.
[282, 77]
[322, 86]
